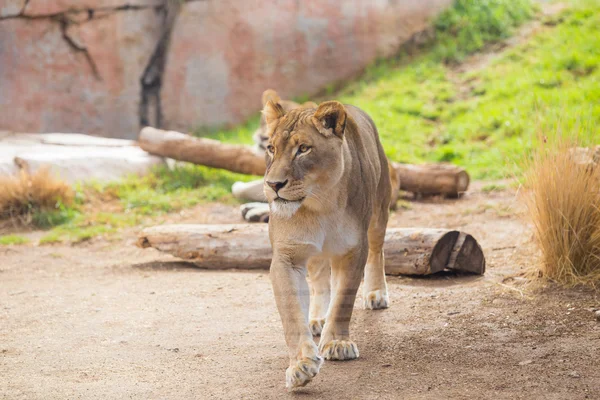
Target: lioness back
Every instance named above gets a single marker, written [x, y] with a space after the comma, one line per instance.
[363, 139]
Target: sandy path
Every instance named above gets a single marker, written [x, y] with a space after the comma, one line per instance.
[105, 320]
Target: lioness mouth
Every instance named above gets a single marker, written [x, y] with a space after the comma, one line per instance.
[284, 201]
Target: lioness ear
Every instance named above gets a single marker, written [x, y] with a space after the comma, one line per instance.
[272, 112]
[330, 118]
[272, 95]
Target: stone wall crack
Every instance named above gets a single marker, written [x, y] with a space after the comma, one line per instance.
[78, 48]
[150, 109]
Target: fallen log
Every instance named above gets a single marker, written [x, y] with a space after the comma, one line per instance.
[411, 251]
[211, 153]
[425, 179]
[433, 179]
[428, 179]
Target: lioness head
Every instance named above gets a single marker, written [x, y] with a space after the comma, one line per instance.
[260, 135]
[304, 156]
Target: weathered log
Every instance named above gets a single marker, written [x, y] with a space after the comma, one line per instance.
[411, 251]
[212, 153]
[466, 255]
[431, 179]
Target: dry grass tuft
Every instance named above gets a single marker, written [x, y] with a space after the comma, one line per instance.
[563, 199]
[22, 196]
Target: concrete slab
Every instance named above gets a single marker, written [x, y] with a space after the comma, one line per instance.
[74, 157]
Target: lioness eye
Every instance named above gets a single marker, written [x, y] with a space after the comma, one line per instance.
[303, 149]
[270, 148]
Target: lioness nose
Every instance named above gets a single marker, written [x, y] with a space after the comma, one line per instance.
[277, 186]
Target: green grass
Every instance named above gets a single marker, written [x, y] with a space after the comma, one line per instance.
[167, 190]
[493, 187]
[7, 240]
[137, 200]
[61, 214]
[470, 25]
[487, 119]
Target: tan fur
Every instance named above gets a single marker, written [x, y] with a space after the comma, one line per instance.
[328, 186]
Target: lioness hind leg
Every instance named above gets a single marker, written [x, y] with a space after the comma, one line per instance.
[319, 276]
[346, 275]
[375, 291]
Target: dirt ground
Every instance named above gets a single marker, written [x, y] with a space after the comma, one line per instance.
[106, 320]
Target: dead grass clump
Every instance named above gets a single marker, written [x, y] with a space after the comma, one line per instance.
[25, 195]
[564, 204]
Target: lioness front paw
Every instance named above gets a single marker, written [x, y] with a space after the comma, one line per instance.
[339, 350]
[376, 299]
[316, 326]
[255, 212]
[302, 372]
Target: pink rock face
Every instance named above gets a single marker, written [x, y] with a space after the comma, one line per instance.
[224, 54]
[76, 65]
[47, 85]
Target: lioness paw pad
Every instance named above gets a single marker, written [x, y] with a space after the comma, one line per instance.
[376, 300]
[300, 374]
[340, 350]
[316, 326]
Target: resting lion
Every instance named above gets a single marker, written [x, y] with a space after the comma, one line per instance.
[328, 187]
[260, 135]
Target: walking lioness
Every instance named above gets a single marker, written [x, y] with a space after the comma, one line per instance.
[328, 186]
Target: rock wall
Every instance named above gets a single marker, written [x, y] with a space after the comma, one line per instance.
[77, 65]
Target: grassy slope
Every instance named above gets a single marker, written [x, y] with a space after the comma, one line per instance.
[485, 119]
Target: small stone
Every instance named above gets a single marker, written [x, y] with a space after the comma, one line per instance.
[574, 374]
[453, 312]
[526, 362]
[598, 315]
[386, 365]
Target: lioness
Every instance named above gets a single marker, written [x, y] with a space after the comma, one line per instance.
[328, 186]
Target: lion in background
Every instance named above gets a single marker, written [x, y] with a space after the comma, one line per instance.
[260, 135]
